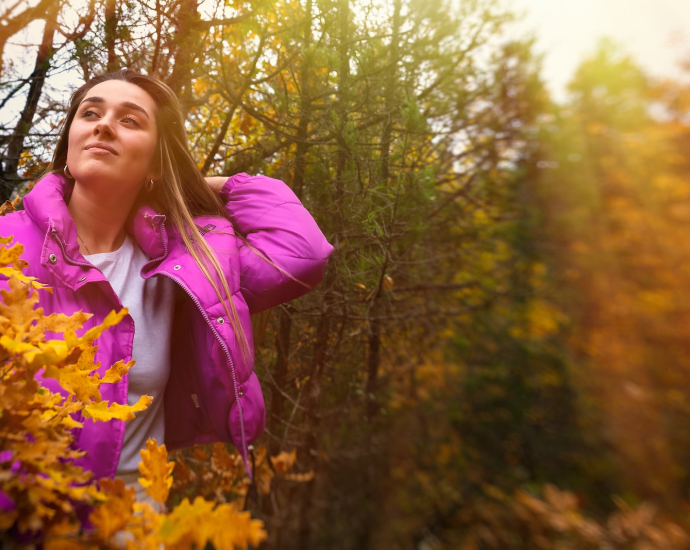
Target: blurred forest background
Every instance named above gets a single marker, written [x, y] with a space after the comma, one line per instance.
[499, 354]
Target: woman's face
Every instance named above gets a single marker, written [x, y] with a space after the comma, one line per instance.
[113, 138]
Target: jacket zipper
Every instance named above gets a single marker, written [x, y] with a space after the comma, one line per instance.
[223, 345]
[230, 361]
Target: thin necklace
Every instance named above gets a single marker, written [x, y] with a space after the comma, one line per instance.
[88, 252]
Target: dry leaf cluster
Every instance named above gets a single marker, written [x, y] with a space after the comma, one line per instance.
[218, 474]
[556, 521]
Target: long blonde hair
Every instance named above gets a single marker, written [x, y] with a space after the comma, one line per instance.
[181, 193]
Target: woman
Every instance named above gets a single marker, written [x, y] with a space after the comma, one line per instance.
[125, 219]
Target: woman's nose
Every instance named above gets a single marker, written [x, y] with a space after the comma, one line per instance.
[104, 127]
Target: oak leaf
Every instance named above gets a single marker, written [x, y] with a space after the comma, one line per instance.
[104, 411]
[188, 523]
[113, 515]
[116, 372]
[156, 471]
[236, 529]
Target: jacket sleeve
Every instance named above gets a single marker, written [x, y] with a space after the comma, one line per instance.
[276, 226]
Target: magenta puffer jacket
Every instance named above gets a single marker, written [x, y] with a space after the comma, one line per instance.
[212, 393]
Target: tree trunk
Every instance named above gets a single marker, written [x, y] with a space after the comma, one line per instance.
[371, 486]
[305, 109]
[374, 358]
[157, 48]
[390, 94]
[188, 39]
[313, 414]
[342, 112]
[218, 141]
[280, 374]
[15, 147]
[110, 35]
[314, 388]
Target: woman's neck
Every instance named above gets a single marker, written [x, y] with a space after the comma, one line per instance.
[100, 220]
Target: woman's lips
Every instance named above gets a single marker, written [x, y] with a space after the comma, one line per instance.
[100, 149]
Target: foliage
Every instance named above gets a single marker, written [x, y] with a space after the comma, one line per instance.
[556, 521]
[616, 201]
[42, 490]
[217, 474]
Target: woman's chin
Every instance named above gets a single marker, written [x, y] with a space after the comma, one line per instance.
[106, 180]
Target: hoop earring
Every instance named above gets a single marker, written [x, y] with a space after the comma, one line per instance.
[65, 171]
[149, 185]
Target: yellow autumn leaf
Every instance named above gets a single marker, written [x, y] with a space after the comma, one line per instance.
[187, 524]
[236, 529]
[86, 361]
[18, 347]
[9, 256]
[143, 530]
[77, 378]
[69, 423]
[31, 282]
[82, 385]
[117, 371]
[50, 358]
[113, 318]
[104, 411]
[114, 514]
[156, 471]
[58, 322]
[18, 306]
[50, 354]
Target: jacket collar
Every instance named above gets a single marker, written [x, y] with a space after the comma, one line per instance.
[46, 205]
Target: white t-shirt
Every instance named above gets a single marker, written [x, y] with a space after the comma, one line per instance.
[151, 304]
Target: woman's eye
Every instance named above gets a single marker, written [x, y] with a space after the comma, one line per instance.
[130, 120]
[88, 113]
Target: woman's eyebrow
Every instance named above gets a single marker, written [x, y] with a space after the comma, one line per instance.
[129, 104]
